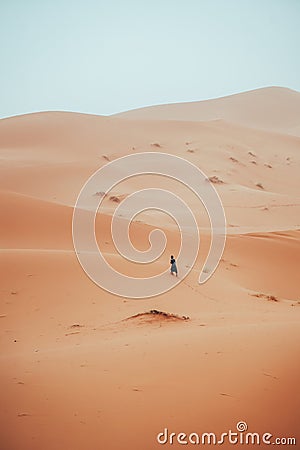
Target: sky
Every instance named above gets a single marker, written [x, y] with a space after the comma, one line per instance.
[107, 56]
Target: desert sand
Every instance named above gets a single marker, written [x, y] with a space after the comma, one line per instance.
[82, 369]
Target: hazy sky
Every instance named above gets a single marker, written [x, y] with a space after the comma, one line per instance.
[103, 57]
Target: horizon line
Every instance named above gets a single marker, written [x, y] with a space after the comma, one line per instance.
[149, 105]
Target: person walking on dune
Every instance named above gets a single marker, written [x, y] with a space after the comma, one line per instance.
[173, 266]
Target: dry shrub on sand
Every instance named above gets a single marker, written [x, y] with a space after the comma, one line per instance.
[154, 313]
[156, 144]
[270, 298]
[215, 180]
[100, 194]
[114, 198]
[259, 185]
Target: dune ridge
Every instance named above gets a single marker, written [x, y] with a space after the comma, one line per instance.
[251, 108]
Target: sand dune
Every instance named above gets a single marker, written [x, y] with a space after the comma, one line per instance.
[82, 369]
[272, 108]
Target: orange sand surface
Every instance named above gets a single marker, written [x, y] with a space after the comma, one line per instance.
[82, 369]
